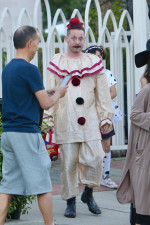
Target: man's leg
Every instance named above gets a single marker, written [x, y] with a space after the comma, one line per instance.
[69, 170]
[46, 207]
[90, 171]
[5, 200]
[69, 177]
[132, 215]
[142, 219]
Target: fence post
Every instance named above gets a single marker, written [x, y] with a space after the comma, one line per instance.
[141, 34]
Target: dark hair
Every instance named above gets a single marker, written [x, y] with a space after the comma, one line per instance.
[94, 48]
[22, 35]
[147, 70]
[79, 28]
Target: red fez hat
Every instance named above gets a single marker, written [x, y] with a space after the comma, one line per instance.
[74, 23]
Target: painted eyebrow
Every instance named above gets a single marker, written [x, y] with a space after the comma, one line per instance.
[76, 37]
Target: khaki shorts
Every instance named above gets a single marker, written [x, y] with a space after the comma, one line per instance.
[26, 164]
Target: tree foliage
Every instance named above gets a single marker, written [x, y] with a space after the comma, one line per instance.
[67, 6]
[117, 6]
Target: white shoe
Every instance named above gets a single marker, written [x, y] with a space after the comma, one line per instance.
[107, 182]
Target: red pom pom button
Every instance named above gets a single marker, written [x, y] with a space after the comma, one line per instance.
[75, 82]
[81, 120]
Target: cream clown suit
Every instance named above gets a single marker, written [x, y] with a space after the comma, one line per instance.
[76, 119]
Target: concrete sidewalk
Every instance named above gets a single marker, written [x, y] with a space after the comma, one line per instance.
[113, 213]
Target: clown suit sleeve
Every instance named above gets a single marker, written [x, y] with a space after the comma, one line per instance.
[103, 99]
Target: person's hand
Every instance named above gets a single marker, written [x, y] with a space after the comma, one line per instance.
[62, 91]
[51, 91]
[105, 128]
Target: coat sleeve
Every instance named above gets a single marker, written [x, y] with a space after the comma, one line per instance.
[140, 116]
[104, 102]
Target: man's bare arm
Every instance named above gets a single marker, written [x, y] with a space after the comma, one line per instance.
[113, 91]
[47, 101]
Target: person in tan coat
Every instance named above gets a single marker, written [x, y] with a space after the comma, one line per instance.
[76, 120]
[135, 183]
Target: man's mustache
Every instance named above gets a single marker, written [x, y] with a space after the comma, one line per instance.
[76, 46]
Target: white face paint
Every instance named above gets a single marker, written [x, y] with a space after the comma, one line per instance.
[75, 40]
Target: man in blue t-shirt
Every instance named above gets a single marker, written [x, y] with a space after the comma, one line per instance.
[26, 164]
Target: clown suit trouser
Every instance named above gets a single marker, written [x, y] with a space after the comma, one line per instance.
[80, 162]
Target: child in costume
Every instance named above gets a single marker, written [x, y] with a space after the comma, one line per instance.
[106, 138]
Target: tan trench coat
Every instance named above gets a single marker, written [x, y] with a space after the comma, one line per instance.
[135, 182]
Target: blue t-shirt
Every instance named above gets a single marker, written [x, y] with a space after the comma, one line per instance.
[20, 107]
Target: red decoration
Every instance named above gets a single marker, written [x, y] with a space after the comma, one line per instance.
[75, 82]
[74, 23]
[81, 120]
[52, 148]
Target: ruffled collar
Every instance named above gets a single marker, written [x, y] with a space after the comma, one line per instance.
[87, 65]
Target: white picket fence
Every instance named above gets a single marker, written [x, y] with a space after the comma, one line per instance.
[116, 41]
